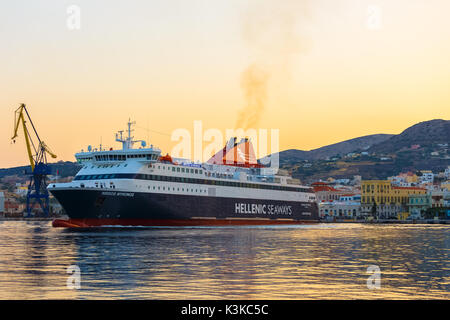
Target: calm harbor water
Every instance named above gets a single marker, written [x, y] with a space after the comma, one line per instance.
[325, 261]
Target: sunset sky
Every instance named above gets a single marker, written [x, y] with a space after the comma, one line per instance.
[331, 69]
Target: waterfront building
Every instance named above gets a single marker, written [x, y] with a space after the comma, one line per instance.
[375, 191]
[418, 204]
[325, 193]
[348, 206]
[389, 201]
[447, 199]
[400, 194]
[437, 199]
[2, 203]
[12, 207]
[340, 209]
[21, 191]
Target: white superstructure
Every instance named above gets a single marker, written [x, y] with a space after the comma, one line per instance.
[144, 170]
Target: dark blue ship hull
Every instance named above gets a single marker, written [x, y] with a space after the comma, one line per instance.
[98, 208]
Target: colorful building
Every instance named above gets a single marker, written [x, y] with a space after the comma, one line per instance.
[401, 195]
[389, 201]
[418, 204]
[426, 177]
[326, 193]
[407, 179]
[445, 185]
[340, 209]
[21, 191]
[375, 191]
[12, 208]
[437, 199]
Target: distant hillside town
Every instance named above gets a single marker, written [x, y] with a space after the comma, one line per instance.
[406, 196]
[13, 194]
[423, 146]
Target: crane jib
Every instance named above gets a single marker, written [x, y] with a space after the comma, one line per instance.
[37, 188]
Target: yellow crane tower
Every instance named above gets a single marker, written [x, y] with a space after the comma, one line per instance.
[37, 156]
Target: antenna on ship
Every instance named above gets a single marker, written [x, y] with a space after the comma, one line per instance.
[128, 142]
[148, 131]
[129, 129]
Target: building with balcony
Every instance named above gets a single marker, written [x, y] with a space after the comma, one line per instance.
[418, 204]
[340, 209]
[325, 193]
[389, 201]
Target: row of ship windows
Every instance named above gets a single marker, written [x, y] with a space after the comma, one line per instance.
[105, 166]
[119, 157]
[189, 180]
[122, 157]
[177, 189]
[177, 169]
[159, 188]
[174, 169]
[193, 171]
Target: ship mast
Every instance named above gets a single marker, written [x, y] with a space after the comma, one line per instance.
[128, 142]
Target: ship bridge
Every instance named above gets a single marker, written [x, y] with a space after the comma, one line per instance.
[116, 156]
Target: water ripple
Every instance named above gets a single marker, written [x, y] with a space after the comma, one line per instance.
[325, 261]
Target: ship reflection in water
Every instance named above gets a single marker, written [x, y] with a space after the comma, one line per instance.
[283, 262]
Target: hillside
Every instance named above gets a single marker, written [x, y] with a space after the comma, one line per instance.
[419, 147]
[425, 134]
[340, 148]
[64, 169]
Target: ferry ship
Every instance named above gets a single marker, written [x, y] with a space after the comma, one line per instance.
[140, 187]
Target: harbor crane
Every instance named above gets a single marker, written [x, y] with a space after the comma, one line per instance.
[37, 155]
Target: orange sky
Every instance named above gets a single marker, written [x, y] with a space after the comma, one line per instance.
[168, 63]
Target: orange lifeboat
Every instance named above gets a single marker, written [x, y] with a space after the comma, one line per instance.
[166, 158]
